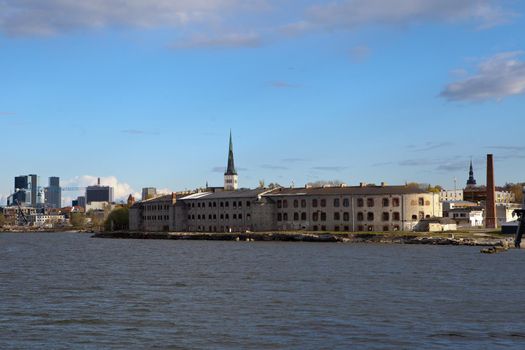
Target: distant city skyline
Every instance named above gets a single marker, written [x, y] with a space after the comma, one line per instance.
[356, 91]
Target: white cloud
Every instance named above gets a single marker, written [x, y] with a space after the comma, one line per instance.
[121, 190]
[497, 77]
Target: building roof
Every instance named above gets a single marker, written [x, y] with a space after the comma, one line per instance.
[242, 193]
[348, 190]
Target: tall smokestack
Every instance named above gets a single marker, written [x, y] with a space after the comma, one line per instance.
[98, 181]
[490, 207]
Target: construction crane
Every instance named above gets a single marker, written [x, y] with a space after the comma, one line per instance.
[21, 213]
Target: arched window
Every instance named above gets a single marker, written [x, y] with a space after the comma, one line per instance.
[370, 216]
[296, 203]
[386, 216]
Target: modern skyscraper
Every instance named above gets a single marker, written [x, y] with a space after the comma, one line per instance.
[148, 193]
[99, 193]
[53, 193]
[231, 179]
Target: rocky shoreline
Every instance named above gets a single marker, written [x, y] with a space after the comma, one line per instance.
[314, 237]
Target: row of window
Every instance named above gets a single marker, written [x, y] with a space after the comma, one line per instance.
[222, 204]
[156, 218]
[370, 202]
[321, 216]
[151, 207]
[214, 217]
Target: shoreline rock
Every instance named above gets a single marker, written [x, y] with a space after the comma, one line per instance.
[309, 237]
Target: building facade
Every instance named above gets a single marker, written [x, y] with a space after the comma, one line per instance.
[335, 209]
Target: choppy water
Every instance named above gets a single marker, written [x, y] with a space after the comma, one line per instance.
[69, 291]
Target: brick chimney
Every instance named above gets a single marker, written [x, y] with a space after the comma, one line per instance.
[490, 207]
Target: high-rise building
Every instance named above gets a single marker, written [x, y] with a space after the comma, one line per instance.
[231, 179]
[99, 193]
[27, 191]
[148, 193]
[53, 193]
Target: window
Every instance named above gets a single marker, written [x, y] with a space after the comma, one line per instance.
[370, 228]
[360, 202]
[396, 216]
[323, 216]
[296, 203]
[285, 216]
[296, 216]
[346, 202]
[285, 203]
[235, 204]
[222, 205]
[303, 203]
[315, 228]
[337, 216]
[386, 202]
[227, 204]
[414, 217]
[222, 216]
[240, 204]
[336, 228]
[215, 204]
[279, 204]
[346, 228]
[315, 216]
[323, 203]
[247, 203]
[386, 228]
[279, 217]
[346, 216]
[360, 216]
[323, 228]
[336, 202]
[395, 202]
[386, 216]
[370, 202]
[234, 216]
[227, 217]
[370, 216]
[421, 201]
[360, 228]
[303, 216]
[314, 203]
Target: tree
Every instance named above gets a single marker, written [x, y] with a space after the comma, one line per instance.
[517, 189]
[272, 185]
[2, 220]
[261, 184]
[117, 220]
[78, 220]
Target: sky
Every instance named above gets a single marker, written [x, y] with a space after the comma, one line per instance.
[144, 93]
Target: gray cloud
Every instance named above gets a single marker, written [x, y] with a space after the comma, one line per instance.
[355, 13]
[293, 160]
[359, 54]
[274, 167]
[330, 168]
[497, 77]
[508, 148]
[230, 40]
[279, 84]
[139, 132]
[428, 146]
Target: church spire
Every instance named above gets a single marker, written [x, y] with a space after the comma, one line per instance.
[231, 164]
[471, 181]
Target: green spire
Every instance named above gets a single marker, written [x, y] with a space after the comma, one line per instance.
[231, 164]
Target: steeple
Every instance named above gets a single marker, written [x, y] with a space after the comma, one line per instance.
[231, 178]
[231, 164]
[471, 181]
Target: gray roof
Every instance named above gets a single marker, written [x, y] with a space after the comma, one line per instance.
[244, 193]
[349, 190]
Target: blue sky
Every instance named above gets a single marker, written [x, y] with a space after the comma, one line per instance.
[144, 93]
